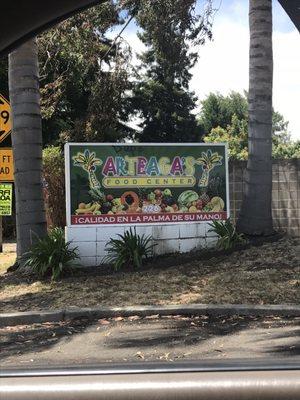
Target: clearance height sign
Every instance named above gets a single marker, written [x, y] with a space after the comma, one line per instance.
[146, 183]
[6, 165]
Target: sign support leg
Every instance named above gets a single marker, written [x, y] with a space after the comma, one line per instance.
[1, 236]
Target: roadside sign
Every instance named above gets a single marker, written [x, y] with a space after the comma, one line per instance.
[146, 183]
[6, 190]
[5, 118]
[6, 165]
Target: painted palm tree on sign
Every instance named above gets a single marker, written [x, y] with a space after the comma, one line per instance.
[208, 161]
[256, 212]
[89, 162]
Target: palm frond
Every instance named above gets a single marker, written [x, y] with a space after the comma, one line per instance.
[51, 255]
[128, 249]
[228, 236]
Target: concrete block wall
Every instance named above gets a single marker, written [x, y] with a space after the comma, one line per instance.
[285, 193]
[168, 239]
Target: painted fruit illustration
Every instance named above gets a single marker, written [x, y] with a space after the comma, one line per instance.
[130, 199]
[152, 201]
[217, 204]
[106, 207]
[199, 204]
[167, 192]
[186, 198]
[205, 199]
[88, 208]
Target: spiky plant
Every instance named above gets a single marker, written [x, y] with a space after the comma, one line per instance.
[50, 255]
[228, 236]
[129, 250]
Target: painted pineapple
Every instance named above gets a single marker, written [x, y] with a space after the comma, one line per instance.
[89, 162]
[208, 161]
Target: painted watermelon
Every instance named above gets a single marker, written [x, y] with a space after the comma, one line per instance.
[187, 197]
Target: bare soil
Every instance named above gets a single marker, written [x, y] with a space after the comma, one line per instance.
[8, 257]
[265, 274]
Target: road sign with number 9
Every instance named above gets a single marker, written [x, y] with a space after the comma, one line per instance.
[5, 118]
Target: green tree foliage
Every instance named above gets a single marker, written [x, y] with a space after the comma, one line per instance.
[225, 118]
[161, 96]
[217, 110]
[236, 135]
[82, 82]
[54, 185]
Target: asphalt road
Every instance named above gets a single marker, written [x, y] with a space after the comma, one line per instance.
[149, 339]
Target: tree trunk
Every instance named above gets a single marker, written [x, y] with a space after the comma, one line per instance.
[27, 145]
[256, 211]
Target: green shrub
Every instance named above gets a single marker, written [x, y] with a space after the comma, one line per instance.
[54, 186]
[51, 255]
[228, 236]
[129, 250]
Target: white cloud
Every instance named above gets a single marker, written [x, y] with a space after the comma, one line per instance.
[223, 66]
[287, 78]
[224, 62]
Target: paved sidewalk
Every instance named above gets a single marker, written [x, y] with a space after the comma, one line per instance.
[168, 338]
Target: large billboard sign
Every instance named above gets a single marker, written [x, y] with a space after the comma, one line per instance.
[146, 183]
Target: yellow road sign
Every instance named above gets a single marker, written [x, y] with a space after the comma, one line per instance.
[6, 165]
[5, 118]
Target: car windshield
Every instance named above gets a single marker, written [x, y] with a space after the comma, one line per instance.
[150, 187]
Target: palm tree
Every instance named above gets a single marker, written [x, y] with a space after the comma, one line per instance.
[208, 161]
[27, 145]
[89, 162]
[256, 212]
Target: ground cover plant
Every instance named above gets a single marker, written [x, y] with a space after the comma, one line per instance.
[51, 255]
[228, 237]
[129, 250]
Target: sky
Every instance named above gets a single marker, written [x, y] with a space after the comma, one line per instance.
[223, 62]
